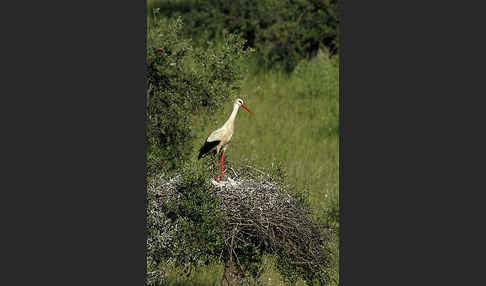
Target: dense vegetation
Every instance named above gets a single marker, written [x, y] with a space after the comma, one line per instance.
[184, 227]
[283, 32]
[183, 80]
[195, 67]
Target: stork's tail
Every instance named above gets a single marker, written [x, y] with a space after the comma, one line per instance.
[208, 146]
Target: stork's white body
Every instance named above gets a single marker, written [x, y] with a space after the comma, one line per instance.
[221, 137]
[225, 132]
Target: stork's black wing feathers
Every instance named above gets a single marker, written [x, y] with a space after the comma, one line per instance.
[207, 147]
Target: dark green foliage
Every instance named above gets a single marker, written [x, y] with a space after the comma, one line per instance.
[184, 224]
[201, 225]
[282, 31]
[183, 81]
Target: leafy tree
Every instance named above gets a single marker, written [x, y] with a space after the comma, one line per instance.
[183, 81]
[282, 31]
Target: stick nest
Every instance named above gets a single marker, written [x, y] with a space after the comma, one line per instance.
[261, 213]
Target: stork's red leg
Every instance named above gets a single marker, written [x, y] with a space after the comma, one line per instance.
[217, 171]
[222, 164]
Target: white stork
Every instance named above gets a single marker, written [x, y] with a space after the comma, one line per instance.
[222, 136]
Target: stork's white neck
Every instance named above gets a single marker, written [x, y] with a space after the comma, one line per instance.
[232, 117]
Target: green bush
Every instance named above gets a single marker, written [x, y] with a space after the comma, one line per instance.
[282, 31]
[183, 81]
[184, 226]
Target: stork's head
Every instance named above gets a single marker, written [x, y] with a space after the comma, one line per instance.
[240, 103]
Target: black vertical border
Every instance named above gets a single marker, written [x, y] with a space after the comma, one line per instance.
[73, 116]
[411, 82]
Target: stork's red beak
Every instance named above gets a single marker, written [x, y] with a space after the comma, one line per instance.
[246, 107]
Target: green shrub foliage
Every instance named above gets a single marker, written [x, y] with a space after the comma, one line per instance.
[184, 226]
[183, 81]
[282, 31]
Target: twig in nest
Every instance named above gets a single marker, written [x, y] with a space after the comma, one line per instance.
[236, 175]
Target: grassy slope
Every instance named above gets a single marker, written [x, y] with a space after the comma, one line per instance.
[295, 121]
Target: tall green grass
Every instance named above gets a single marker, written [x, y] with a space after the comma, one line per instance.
[295, 123]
